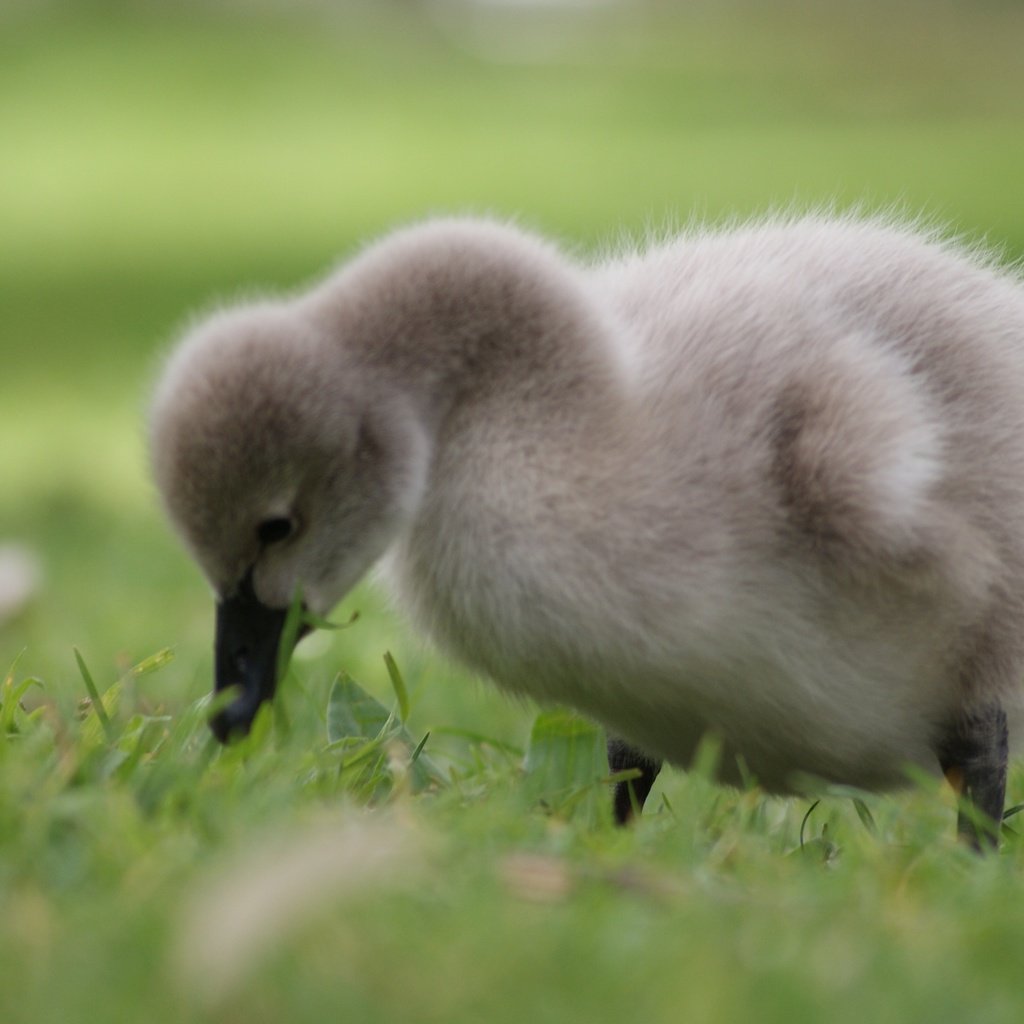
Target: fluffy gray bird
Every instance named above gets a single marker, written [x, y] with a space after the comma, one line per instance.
[766, 483]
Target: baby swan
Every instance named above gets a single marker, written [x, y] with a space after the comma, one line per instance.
[766, 483]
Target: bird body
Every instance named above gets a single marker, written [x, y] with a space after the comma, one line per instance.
[766, 482]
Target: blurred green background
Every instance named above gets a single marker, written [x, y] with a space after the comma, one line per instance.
[156, 158]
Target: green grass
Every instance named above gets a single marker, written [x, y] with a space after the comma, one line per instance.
[155, 163]
[335, 864]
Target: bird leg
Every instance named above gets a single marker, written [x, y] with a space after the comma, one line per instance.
[631, 794]
[973, 756]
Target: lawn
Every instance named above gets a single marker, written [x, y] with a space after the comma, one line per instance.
[329, 867]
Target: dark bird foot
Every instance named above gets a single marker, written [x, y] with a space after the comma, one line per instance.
[973, 756]
[630, 795]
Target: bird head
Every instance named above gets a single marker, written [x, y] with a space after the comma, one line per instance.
[287, 465]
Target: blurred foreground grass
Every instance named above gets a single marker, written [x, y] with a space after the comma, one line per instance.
[154, 162]
[327, 868]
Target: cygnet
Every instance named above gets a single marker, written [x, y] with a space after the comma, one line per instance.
[765, 483]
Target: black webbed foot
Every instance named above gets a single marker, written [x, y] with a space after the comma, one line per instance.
[630, 796]
[973, 756]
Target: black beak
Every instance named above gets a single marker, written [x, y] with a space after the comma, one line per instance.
[245, 655]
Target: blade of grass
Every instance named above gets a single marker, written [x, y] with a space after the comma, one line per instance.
[289, 634]
[419, 748]
[9, 678]
[1016, 809]
[94, 697]
[398, 683]
[354, 713]
[12, 695]
[626, 775]
[11, 700]
[865, 815]
[314, 620]
[351, 711]
[567, 756]
[806, 818]
[153, 663]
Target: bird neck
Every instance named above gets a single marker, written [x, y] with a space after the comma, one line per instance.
[468, 312]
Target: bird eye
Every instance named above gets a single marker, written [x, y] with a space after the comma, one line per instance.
[270, 531]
